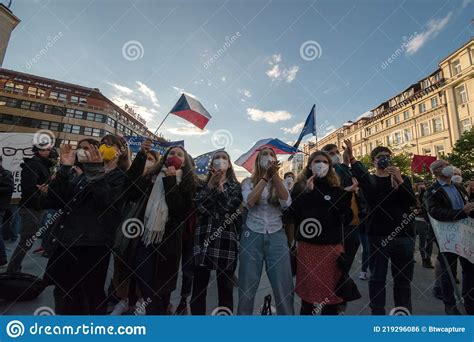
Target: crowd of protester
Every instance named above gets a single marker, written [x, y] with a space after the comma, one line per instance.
[151, 218]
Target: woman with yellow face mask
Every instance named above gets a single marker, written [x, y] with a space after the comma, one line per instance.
[114, 153]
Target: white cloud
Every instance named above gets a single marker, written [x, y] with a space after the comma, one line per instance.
[146, 112]
[433, 28]
[181, 90]
[279, 72]
[187, 129]
[121, 88]
[295, 129]
[268, 116]
[149, 93]
[247, 93]
[223, 79]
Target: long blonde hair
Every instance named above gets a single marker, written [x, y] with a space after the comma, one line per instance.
[259, 172]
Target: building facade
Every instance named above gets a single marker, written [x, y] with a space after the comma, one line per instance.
[8, 22]
[71, 112]
[427, 118]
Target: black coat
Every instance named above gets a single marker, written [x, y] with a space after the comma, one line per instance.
[179, 204]
[439, 205]
[6, 188]
[328, 205]
[34, 171]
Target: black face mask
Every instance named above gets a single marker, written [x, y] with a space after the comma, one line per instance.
[384, 162]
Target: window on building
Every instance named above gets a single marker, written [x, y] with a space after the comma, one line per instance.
[71, 129]
[19, 88]
[95, 117]
[74, 99]
[387, 123]
[456, 67]
[10, 86]
[437, 125]
[25, 105]
[424, 129]
[397, 137]
[54, 126]
[3, 101]
[41, 93]
[407, 134]
[406, 115]
[434, 102]
[461, 94]
[389, 140]
[62, 97]
[44, 125]
[437, 77]
[82, 100]
[466, 125]
[422, 107]
[53, 95]
[439, 150]
[32, 91]
[12, 102]
[426, 150]
[95, 132]
[110, 122]
[397, 118]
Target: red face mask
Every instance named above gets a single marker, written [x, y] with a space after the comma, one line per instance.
[174, 161]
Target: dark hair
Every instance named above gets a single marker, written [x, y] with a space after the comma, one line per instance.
[189, 180]
[289, 173]
[230, 174]
[155, 154]
[123, 162]
[377, 150]
[329, 147]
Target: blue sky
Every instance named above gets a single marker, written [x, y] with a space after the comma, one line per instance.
[262, 81]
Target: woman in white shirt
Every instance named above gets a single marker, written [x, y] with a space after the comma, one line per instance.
[263, 238]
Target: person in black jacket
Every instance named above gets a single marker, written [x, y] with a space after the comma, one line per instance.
[390, 228]
[6, 191]
[35, 173]
[167, 191]
[87, 218]
[448, 202]
[320, 208]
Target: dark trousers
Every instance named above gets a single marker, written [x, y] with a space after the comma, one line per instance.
[427, 238]
[80, 280]
[364, 241]
[200, 284]
[308, 309]
[467, 281]
[187, 267]
[146, 269]
[399, 251]
[351, 243]
[3, 253]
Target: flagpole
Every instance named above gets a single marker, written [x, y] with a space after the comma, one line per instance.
[315, 127]
[161, 123]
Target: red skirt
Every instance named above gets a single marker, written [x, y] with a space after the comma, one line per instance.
[317, 273]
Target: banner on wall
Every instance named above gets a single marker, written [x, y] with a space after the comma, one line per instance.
[14, 147]
[134, 144]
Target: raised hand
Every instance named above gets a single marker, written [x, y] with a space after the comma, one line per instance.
[67, 155]
[146, 145]
[94, 155]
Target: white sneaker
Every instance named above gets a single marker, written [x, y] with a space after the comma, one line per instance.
[363, 276]
[120, 308]
[140, 307]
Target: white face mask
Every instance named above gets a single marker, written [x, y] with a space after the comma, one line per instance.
[320, 169]
[149, 164]
[336, 159]
[220, 164]
[456, 179]
[289, 181]
[82, 155]
[448, 171]
[264, 161]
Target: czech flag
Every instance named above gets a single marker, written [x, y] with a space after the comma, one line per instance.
[247, 160]
[191, 110]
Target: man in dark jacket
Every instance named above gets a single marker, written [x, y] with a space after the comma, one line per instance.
[35, 173]
[448, 202]
[6, 191]
[390, 228]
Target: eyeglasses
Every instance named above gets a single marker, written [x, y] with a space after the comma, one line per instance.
[11, 151]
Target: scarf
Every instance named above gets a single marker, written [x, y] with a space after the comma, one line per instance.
[156, 212]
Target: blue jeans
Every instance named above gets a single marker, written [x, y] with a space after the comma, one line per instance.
[399, 251]
[255, 249]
